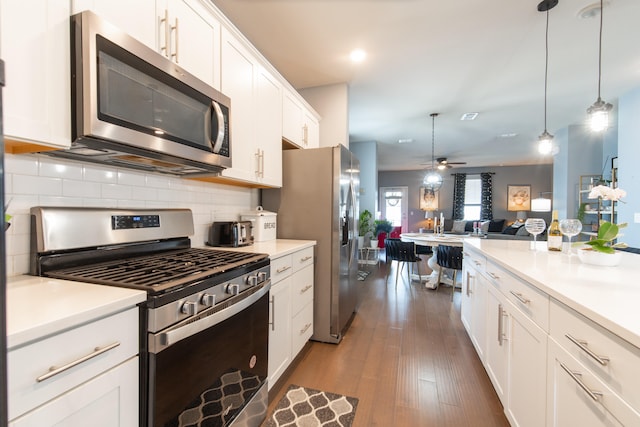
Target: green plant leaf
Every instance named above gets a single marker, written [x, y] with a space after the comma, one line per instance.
[596, 242]
[607, 231]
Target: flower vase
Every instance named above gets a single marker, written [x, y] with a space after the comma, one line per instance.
[591, 257]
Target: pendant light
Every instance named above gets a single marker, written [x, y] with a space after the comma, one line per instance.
[545, 140]
[433, 180]
[598, 113]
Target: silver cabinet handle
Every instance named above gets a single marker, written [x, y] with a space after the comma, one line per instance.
[469, 277]
[583, 345]
[261, 163]
[307, 258]
[283, 269]
[174, 54]
[500, 325]
[465, 253]
[165, 21]
[493, 275]
[520, 297]
[257, 156]
[273, 313]
[306, 327]
[305, 289]
[595, 395]
[53, 371]
[305, 134]
[477, 263]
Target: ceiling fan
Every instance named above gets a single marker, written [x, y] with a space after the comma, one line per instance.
[443, 163]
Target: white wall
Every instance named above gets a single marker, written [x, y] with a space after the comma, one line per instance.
[332, 103]
[38, 180]
[367, 154]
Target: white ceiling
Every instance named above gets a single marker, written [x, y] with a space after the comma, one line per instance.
[449, 57]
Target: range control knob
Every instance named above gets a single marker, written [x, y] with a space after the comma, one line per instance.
[208, 300]
[262, 276]
[233, 289]
[252, 280]
[189, 308]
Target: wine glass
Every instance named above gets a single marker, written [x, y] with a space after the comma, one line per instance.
[535, 226]
[570, 228]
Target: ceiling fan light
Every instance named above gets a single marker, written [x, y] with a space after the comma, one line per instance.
[545, 143]
[442, 166]
[598, 115]
[432, 180]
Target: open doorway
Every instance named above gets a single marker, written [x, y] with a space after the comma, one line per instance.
[394, 206]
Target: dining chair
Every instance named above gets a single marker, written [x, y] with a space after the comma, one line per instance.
[449, 257]
[404, 253]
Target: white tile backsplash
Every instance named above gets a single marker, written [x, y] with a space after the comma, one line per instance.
[38, 180]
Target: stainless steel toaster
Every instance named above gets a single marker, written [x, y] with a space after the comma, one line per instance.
[230, 233]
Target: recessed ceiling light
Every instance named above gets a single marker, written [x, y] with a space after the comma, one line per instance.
[405, 140]
[358, 55]
[590, 11]
[507, 135]
[469, 116]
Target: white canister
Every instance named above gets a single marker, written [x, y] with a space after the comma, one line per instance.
[264, 224]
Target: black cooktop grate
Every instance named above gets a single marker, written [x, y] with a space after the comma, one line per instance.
[159, 271]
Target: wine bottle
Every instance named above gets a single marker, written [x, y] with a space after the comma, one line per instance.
[554, 236]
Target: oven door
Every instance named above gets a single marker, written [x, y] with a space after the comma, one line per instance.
[211, 369]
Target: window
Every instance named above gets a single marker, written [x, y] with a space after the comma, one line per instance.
[393, 205]
[472, 198]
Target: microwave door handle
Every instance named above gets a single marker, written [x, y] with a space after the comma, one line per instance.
[217, 145]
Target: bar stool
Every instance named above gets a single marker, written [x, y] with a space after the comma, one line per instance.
[449, 257]
[403, 253]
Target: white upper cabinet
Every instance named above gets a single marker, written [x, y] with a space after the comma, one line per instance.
[34, 43]
[190, 36]
[299, 125]
[255, 116]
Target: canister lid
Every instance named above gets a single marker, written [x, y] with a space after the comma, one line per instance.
[259, 211]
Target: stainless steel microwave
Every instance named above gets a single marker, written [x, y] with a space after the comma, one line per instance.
[135, 108]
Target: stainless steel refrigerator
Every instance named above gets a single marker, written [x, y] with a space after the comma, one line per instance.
[319, 201]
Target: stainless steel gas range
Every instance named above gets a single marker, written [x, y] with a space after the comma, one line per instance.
[204, 326]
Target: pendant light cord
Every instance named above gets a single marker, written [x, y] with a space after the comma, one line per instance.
[600, 50]
[546, 69]
[433, 140]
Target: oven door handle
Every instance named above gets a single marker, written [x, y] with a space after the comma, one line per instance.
[168, 337]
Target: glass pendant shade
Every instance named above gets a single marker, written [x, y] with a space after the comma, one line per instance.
[433, 181]
[545, 143]
[598, 115]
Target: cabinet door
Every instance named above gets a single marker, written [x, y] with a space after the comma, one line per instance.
[269, 128]
[108, 400]
[497, 350]
[238, 69]
[576, 397]
[311, 131]
[527, 371]
[279, 329]
[193, 38]
[468, 276]
[479, 287]
[34, 37]
[134, 18]
[291, 119]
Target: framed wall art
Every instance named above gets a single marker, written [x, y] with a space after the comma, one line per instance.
[428, 199]
[518, 197]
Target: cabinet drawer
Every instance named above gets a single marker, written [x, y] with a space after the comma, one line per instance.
[32, 380]
[302, 289]
[577, 397]
[301, 329]
[302, 258]
[531, 301]
[609, 357]
[477, 261]
[280, 268]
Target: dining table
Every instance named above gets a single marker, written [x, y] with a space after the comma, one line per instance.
[433, 240]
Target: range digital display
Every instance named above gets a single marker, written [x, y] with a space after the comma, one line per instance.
[124, 222]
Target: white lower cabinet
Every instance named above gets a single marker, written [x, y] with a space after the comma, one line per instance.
[291, 311]
[279, 329]
[108, 400]
[77, 377]
[473, 305]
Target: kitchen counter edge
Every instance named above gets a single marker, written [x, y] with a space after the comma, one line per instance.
[38, 307]
[276, 248]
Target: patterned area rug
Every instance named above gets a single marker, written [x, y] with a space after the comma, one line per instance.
[301, 406]
[362, 274]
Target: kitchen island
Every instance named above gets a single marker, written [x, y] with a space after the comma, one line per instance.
[560, 340]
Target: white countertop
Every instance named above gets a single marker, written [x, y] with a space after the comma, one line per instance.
[276, 248]
[38, 306]
[610, 296]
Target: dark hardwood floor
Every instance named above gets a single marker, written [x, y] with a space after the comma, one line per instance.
[406, 357]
